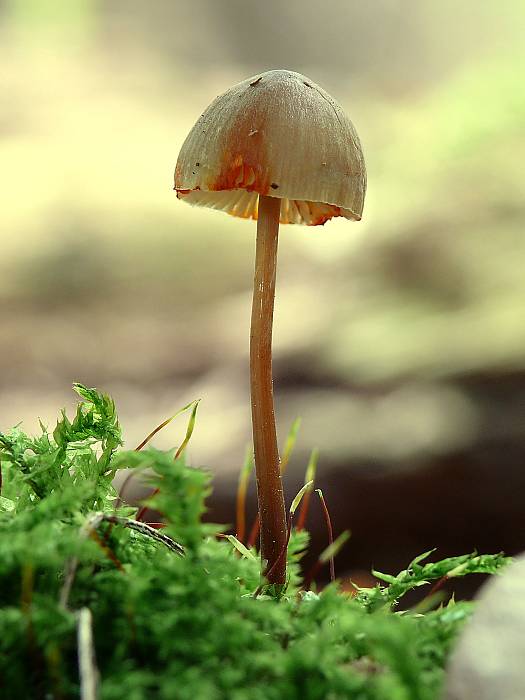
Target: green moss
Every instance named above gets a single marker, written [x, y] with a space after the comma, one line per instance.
[173, 625]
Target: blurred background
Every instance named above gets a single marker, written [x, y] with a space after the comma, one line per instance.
[399, 340]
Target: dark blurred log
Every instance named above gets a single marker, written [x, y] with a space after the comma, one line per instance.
[457, 503]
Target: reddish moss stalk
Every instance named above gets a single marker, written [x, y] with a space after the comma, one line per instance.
[270, 497]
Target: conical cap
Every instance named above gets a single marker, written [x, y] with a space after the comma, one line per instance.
[276, 134]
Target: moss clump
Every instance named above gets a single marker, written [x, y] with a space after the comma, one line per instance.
[93, 603]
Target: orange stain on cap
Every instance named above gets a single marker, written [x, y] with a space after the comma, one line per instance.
[244, 162]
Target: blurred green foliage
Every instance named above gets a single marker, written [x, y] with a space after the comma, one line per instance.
[115, 280]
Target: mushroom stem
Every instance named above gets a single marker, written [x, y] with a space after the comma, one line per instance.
[270, 497]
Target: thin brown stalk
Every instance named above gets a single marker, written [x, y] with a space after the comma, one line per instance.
[309, 477]
[287, 452]
[189, 432]
[242, 488]
[267, 464]
[330, 531]
[131, 474]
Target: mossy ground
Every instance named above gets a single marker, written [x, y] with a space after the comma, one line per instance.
[94, 605]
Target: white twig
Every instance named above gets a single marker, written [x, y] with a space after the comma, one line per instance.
[87, 663]
[147, 530]
[92, 522]
[71, 570]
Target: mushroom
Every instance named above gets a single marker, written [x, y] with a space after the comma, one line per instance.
[275, 148]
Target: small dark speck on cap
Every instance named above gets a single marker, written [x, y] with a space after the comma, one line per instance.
[274, 185]
[197, 164]
[307, 84]
[257, 80]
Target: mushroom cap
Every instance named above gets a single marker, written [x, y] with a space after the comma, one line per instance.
[276, 134]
